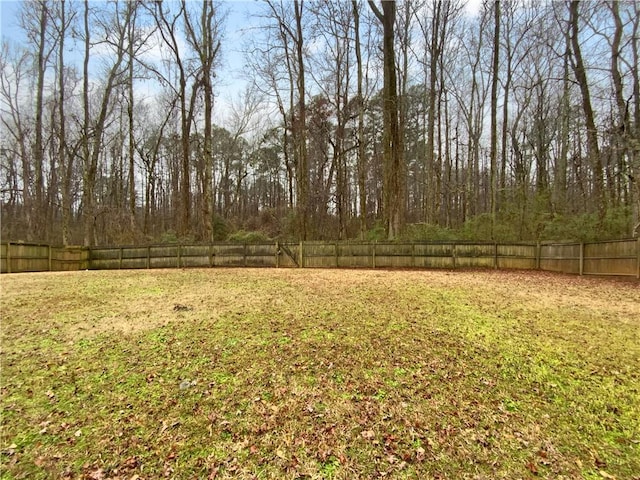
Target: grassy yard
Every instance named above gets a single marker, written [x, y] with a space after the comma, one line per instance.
[303, 374]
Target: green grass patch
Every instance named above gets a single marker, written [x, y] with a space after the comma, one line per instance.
[319, 374]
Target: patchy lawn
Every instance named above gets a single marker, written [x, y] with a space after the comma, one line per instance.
[240, 373]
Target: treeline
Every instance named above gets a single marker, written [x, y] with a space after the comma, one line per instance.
[411, 119]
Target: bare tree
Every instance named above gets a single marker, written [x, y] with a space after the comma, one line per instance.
[281, 62]
[14, 75]
[168, 24]
[626, 137]
[206, 43]
[470, 89]
[35, 22]
[66, 153]
[362, 190]
[580, 72]
[493, 174]
[394, 176]
[114, 28]
[512, 121]
[301, 131]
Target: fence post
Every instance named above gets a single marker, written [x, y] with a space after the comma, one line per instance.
[244, 254]
[179, 249]
[335, 246]
[413, 255]
[373, 254]
[453, 255]
[8, 257]
[495, 255]
[49, 259]
[581, 258]
[538, 250]
[301, 254]
[148, 256]
[277, 255]
[120, 259]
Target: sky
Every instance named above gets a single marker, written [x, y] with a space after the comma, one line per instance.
[230, 79]
[8, 18]
[241, 14]
[239, 18]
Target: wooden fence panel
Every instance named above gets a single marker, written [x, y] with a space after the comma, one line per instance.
[394, 255]
[193, 256]
[430, 255]
[25, 257]
[69, 258]
[105, 258]
[611, 258]
[228, 255]
[134, 257]
[517, 257]
[476, 255]
[166, 256]
[355, 255]
[261, 255]
[319, 254]
[434, 262]
[560, 257]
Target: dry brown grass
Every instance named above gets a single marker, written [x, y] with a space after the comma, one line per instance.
[245, 373]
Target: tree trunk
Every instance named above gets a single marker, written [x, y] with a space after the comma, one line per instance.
[88, 174]
[494, 117]
[393, 179]
[634, 147]
[65, 160]
[93, 147]
[432, 95]
[38, 148]
[301, 137]
[593, 150]
[560, 180]
[362, 174]
[131, 178]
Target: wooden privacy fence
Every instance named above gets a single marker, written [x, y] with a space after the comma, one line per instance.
[616, 257]
[621, 257]
[33, 257]
[318, 255]
[413, 255]
[180, 256]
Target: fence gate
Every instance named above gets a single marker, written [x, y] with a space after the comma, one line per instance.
[283, 248]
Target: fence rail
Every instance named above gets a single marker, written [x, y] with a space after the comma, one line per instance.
[619, 257]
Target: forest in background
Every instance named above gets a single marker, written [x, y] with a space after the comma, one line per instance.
[414, 119]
